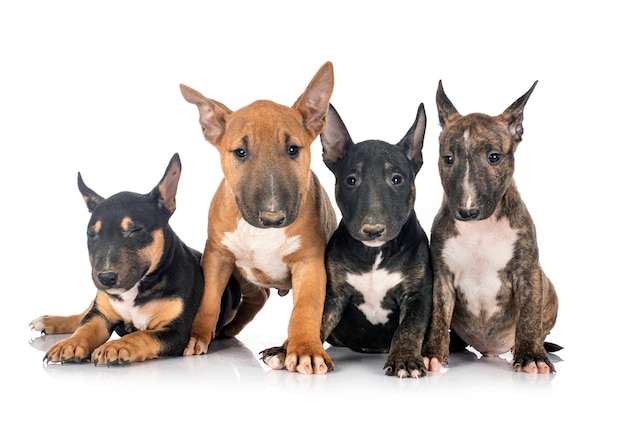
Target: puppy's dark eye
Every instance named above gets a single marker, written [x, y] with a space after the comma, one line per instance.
[494, 157]
[351, 180]
[293, 151]
[133, 231]
[240, 153]
[91, 233]
[448, 159]
[396, 179]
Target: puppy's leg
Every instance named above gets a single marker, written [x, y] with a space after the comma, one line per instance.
[334, 306]
[437, 341]
[529, 354]
[94, 331]
[165, 335]
[305, 352]
[405, 353]
[53, 325]
[133, 347]
[217, 269]
[253, 298]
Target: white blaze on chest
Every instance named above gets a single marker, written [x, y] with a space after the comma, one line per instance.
[374, 285]
[261, 249]
[127, 309]
[476, 256]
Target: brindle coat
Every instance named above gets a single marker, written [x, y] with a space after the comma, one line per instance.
[489, 288]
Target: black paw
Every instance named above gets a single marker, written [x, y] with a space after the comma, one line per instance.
[405, 367]
[274, 357]
[533, 363]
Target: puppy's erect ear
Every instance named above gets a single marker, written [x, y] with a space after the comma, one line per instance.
[335, 139]
[91, 198]
[413, 141]
[514, 115]
[212, 113]
[165, 191]
[445, 108]
[313, 103]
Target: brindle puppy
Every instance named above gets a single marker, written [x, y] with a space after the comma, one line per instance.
[489, 288]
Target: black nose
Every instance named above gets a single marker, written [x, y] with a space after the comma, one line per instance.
[373, 230]
[467, 214]
[107, 278]
[272, 219]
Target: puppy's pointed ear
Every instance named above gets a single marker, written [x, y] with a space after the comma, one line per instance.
[514, 115]
[212, 114]
[165, 191]
[313, 103]
[445, 108]
[91, 198]
[335, 139]
[413, 141]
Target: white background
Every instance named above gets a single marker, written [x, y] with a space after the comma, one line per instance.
[94, 87]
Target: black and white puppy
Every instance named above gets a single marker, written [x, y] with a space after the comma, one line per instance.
[379, 290]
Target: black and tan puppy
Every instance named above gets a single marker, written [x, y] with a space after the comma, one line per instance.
[489, 288]
[379, 291]
[149, 282]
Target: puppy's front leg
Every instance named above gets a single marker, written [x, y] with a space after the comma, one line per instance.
[305, 352]
[217, 268]
[405, 353]
[94, 331]
[529, 354]
[437, 343]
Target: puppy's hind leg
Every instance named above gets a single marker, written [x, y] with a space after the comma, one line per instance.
[253, 298]
[54, 325]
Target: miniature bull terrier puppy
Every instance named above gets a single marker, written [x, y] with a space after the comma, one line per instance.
[489, 289]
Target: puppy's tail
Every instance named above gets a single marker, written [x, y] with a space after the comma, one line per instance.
[551, 347]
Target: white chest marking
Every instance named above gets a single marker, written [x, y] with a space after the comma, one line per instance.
[127, 309]
[476, 256]
[262, 249]
[374, 286]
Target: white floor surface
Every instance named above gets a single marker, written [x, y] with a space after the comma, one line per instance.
[231, 380]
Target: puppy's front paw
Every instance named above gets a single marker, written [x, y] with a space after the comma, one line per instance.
[533, 363]
[122, 352]
[433, 364]
[405, 366]
[308, 359]
[72, 350]
[196, 346]
[435, 354]
[297, 361]
[274, 357]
